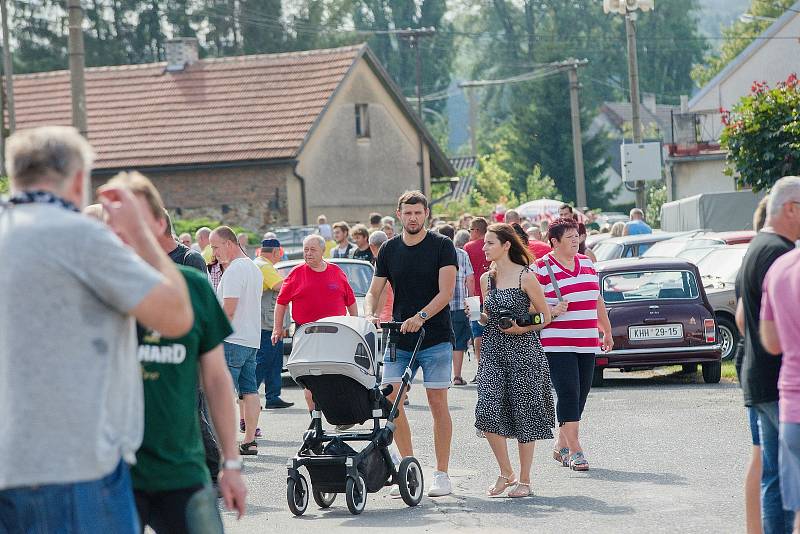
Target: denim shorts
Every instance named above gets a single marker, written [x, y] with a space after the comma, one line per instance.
[789, 460]
[461, 329]
[436, 363]
[753, 420]
[477, 329]
[241, 362]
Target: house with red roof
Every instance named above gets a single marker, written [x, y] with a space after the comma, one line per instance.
[258, 140]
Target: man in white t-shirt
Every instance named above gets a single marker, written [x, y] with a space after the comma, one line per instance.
[239, 292]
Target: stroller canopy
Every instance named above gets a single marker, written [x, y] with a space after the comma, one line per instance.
[344, 345]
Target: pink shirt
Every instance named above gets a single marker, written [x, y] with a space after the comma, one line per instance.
[779, 304]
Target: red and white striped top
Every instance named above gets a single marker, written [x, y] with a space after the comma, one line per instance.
[576, 330]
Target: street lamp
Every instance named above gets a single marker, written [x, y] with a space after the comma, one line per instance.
[628, 8]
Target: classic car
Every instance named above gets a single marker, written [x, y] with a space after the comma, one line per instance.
[359, 274]
[631, 246]
[718, 271]
[659, 315]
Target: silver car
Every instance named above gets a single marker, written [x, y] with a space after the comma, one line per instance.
[719, 269]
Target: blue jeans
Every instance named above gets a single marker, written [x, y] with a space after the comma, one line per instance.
[269, 364]
[774, 519]
[436, 363]
[241, 362]
[103, 505]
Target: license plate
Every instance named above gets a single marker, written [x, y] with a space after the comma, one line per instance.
[662, 331]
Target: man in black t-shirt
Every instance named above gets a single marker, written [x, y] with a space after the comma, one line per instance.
[760, 369]
[421, 267]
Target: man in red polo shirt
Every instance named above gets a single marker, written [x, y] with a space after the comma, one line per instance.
[316, 289]
[474, 249]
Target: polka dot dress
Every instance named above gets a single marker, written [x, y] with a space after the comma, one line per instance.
[514, 396]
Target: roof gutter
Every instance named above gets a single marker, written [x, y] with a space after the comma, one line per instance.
[302, 191]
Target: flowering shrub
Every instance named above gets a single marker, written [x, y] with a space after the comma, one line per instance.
[762, 134]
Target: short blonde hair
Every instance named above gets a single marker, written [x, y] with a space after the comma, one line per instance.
[50, 154]
[141, 186]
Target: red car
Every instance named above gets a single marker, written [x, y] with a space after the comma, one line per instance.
[659, 315]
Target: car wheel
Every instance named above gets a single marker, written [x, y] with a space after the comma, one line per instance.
[728, 337]
[712, 372]
[597, 377]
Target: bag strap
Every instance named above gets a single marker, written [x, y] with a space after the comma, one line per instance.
[553, 278]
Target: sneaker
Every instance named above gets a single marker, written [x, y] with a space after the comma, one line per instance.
[241, 425]
[441, 485]
[474, 380]
[277, 404]
[258, 433]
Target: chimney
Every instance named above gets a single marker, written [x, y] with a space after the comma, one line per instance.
[181, 52]
[649, 101]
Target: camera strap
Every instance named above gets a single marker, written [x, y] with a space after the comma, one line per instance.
[553, 278]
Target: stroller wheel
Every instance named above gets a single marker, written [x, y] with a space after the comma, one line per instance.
[323, 500]
[356, 495]
[410, 482]
[297, 494]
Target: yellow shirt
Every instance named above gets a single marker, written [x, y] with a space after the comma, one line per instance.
[208, 254]
[270, 274]
[328, 247]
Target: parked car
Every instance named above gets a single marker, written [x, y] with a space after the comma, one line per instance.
[595, 239]
[359, 275]
[696, 254]
[672, 248]
[631, 246]
[734, 237]
[659, 315]
[718, 271]
[611, 217]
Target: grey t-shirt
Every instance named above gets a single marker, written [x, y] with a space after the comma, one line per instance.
[68, 365]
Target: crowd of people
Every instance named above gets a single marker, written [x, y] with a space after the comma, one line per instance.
[148, 339]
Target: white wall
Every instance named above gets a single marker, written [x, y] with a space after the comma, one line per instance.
[773, 62]
[693, 177]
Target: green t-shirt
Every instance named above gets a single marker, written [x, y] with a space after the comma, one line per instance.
[172, 455]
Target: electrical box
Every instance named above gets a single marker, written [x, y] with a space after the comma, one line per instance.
[641, 161]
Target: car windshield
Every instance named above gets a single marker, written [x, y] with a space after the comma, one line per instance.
[359, 275]
[671, 248]
[722, 264]
[607, 251]
[696, 254]
[649, 285]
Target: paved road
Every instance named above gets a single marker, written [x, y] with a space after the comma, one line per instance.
[666, 456]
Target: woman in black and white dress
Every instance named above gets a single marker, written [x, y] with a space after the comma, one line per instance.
[514, 397]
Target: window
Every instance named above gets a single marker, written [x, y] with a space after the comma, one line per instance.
[650, 285]
[362, 121]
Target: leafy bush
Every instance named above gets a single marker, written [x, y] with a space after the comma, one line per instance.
[656, 197]
[3, 185]
[762, 134]
[192, 225]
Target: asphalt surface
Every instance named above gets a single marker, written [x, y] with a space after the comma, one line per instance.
[667, 454]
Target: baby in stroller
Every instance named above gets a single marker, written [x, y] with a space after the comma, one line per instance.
[336, 360]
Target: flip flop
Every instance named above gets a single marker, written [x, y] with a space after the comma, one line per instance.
[500, 487]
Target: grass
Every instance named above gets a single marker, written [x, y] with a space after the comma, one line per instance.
[674, 373]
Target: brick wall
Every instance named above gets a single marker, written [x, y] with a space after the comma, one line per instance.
[250, 196]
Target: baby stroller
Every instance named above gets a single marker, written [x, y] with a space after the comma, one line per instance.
[335, 359]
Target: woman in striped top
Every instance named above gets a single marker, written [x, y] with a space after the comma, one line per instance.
[571, 340]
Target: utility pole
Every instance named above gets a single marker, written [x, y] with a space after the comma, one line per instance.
[414, 36]
[571, 67]
[76, 67]
[577, 143]
[473, 121]
[8, 67]
[633, 75]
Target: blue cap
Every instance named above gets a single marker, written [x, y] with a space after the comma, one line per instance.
[270, 243]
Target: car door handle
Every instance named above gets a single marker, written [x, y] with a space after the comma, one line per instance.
[653, 320]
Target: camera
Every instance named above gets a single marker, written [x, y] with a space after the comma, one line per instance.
[506, 317]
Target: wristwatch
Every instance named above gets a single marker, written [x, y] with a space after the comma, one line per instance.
[423, 315]
[233, 465]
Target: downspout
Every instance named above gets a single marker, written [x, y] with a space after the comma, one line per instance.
[302, 191]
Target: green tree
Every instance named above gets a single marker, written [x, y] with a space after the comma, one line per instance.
[656, 197]
[762, 135]
[3, 185]
[738, 36]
